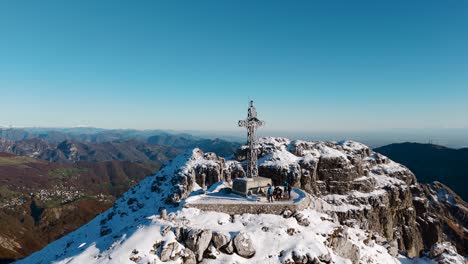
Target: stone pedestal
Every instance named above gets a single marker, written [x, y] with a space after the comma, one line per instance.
[248, 186]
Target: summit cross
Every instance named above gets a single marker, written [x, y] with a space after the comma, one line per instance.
[251, 123]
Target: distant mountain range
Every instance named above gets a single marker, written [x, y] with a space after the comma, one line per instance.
[83, 134]
[129, 145]
[54, 181]
[433, 163]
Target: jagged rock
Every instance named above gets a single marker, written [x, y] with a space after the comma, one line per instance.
[290, 231]
[244, 245]
[165, 230]
[180, 233]
[393, 248]
[301, 220]
[220, 239]
[188, 257]
[170, 251]
[445, 253]
[299, 259]
[287, 213]
[228, 249]
[343, 246]
[198, 241]
[325, 258]
[324, 168]
[211, 252]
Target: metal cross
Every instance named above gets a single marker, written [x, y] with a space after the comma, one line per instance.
[251, 123]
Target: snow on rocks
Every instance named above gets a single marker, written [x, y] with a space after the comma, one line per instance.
[243, 245]
[339, 227]
[198, 241]
[445, 253]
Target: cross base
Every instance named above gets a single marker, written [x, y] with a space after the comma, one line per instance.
[248, 186]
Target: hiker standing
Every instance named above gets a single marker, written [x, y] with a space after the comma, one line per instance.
[270, 193]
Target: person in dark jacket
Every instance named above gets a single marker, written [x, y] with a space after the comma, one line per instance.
[286, 189]
[278, 193]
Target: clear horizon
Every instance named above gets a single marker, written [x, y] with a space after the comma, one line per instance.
[453, 138]
[322, 66]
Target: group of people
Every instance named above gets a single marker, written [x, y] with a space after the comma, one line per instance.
[277, 192]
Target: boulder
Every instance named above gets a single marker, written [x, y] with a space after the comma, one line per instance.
[393, 248]
[188, 257]
[342, 245]
[244, 245]
[299, 258]
[171, 251]
[229, 248]
[220, 239]
[211, 252]
[198, 241]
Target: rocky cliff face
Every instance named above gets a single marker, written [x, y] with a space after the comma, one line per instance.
[350, 181]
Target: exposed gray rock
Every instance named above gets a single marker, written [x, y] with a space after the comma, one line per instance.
[393, 248]
[171, 251]
[301, 220]
[325, 258]
[220, 239]
[299, 258]
[243, 245]
[445, 253]
[343, 246]
[198, 241]
[188, 257]
[382, 196]
[211, 252]
[181, 234]
[229, 248]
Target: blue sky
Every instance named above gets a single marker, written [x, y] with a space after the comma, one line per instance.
[309, 65]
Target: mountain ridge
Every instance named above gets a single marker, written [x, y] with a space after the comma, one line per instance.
[134, 232]
[432, 163]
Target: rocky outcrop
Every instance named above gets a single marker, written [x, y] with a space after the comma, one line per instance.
[358, 186]
[440, 204]
[171, 251]
[445, 253]
[201, 169]
[343, 246]
[194, 245]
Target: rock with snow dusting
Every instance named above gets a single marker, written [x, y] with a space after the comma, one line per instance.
[220, 239]
[198, 241]
[244, 245]
[445, 253]
[211, 252]
[188, 257]
[171, 251]
[344, 246]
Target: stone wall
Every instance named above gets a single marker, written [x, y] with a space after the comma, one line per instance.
[254, 208]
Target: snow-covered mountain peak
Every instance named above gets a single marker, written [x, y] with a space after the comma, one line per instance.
[363, 210]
